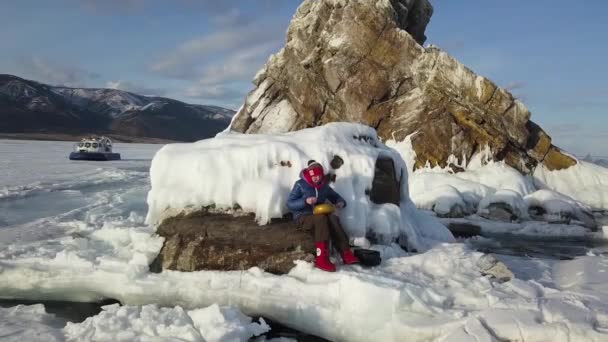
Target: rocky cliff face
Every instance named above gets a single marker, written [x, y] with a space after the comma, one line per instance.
[361, 61]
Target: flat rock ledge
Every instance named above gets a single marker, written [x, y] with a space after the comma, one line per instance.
[203, 240]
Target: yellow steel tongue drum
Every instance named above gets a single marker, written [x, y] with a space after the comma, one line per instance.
[323, 209]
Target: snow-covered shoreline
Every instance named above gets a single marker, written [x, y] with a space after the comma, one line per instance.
[443, 286]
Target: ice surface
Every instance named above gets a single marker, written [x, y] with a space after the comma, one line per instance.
[43, 195]
[536, 229]
[29, 323]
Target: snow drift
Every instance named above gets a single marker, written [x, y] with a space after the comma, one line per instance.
[438, 295]
[256, 173]
[584, 182]
[561, 195]
[131, 323]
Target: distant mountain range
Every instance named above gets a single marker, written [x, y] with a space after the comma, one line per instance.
[601, 161]
[28, 107]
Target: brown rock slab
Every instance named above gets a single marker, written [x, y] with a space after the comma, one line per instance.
[555, 160]
[211, 241]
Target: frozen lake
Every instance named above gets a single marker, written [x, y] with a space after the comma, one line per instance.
[44, 195]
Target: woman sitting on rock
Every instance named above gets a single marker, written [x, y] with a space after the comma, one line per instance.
[312, 189]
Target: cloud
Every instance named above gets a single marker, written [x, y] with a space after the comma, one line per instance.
[46, 71]
[585, 99]
[225, 96]
[222, 10]
[135, 88]
[515, 85]
[189, 58]
[239, 65]
[111, 6]
[565, 128]
[229, 80]
[583, 142]
[221, 65]
[218, 66]
[579, 138]
[212, 91]
[451, 45]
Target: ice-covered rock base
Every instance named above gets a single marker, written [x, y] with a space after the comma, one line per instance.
[438, 295]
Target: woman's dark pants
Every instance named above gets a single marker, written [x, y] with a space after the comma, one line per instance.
[324, 227]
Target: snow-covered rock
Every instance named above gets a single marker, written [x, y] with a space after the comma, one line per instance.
[554, 207]
[503, 205]
[472, 190]
[585, 182]
[257, 172]
[497, 191]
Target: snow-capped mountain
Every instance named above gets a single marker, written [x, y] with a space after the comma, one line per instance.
[601, 161]
[32, 107]
[112, 102]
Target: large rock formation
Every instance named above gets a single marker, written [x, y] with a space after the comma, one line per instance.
[361, 61]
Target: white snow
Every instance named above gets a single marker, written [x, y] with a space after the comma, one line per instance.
[149, 322]
[556, 205]
[429, 296]
[584, 182]
[227, 129]
[153, 105]
[117, 323]
[406, 150]
[439, 189]
[483, 182]
[117, 101]
[246, 169]
[509, 197]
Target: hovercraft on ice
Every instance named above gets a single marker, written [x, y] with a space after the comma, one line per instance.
[94, 148]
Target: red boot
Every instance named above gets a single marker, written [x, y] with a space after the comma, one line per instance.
[322, 261]
[349, 258]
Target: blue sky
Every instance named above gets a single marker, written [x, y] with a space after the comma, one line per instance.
[550, 53]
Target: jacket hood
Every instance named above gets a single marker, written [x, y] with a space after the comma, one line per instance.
[304, 176]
